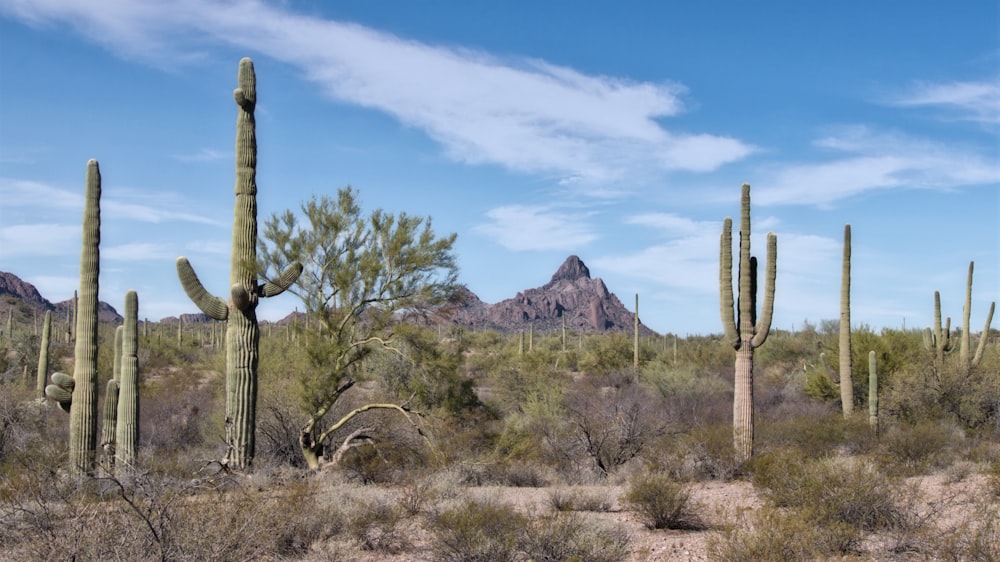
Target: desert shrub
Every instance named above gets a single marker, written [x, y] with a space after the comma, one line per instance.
[661, 503]
[477, 531]
[711, 451]
[374, 524]
[775, 535]
[562, 537]
[914, 449]
[815, 430]
[835, 491]
[692, 396]
[977, 537]
[578, 499]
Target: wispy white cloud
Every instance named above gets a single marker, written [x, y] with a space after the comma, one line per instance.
[137, 251]
[522, 227]
[150, 214]
[971, 101]
[527, 115]
[204, 155]
[40, 239]
[866, 161]
[25, 193]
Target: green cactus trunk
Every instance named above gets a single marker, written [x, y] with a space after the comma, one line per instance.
[110, 419]
[83, 412]
[873, 391]
[846, 367]
[242, 331]
[127, 435]
[744, 332]
[635, 336]
[43, 355]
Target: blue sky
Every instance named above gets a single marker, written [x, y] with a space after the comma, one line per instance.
[617, 131]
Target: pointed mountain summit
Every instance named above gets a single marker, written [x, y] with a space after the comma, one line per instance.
[585, 303]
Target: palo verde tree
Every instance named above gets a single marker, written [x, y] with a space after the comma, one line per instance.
[362, 274]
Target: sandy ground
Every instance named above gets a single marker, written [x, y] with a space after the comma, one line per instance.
[942, 500]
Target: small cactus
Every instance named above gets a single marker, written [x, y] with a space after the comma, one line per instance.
[110, 419]
[127, 437]
[43, 355]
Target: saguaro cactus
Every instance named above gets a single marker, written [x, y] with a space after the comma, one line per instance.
[127, 436]
[938, 340]
[873, 391]
[109, 423]
[846, 367]
[43, 355]
[743, 330]
[964, 343]
[242, 331]
[83, 412]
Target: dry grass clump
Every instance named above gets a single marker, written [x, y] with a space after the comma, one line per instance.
[477, 531]
[578, 499]
[569, 536]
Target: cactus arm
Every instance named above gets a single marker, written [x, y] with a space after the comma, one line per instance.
[241, 298]
[767, 311]
[213, 306]
[283, 282]
[727, 301]
[110, 419]
[61, 390]
[983, 336]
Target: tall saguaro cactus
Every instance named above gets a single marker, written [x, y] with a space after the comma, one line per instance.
[938, 340]
[127, 434]
[743, 330]
[43, 355]
[242, 331]
[873, 391]
[846, 367]
[83, 411]
[964, 343]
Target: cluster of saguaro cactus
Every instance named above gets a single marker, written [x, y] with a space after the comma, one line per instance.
[938, 339]
[743, 330]
[242, 331]
[43, 355]
[127, 434]
[846, 366]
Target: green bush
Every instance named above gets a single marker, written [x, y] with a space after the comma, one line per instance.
[776, 535]
[909, 450]
[661, 503]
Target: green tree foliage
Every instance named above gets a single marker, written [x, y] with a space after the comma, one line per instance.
[363, 274]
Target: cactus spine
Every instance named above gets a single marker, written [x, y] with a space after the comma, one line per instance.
[242, 331]
[127, 436]
[964, 344]
[873, 391]
[83, 412]
[846, 368]
[110, 419]
[743, 330]
[43, 355]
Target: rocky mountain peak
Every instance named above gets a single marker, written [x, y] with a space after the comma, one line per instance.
[570, 270]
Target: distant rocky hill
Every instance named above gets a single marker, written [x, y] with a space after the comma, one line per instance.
[24, 297]
[585, 303]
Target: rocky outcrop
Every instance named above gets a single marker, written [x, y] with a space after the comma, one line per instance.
[585, 303]
[20, 294]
